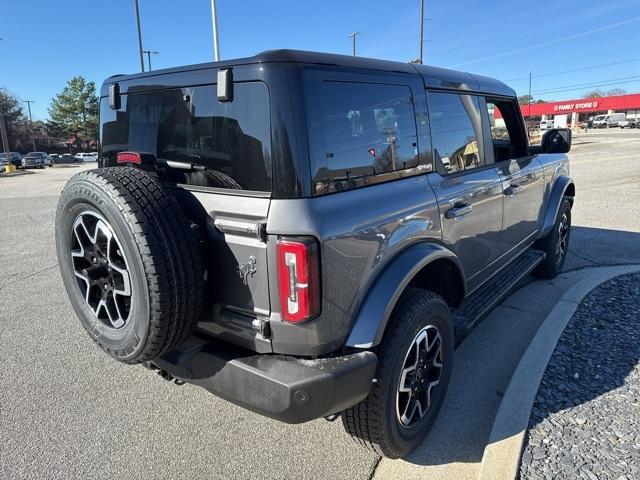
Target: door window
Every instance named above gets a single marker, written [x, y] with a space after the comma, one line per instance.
[456, 130]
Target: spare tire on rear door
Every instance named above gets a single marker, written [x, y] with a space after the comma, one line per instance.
[130, 262]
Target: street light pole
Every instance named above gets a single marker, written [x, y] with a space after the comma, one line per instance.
[421, 29]
[33, 141]
[149, 52]
[353, 37]
[139, 35]
[214, 26]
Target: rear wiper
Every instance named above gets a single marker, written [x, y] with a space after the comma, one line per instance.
[181, 165]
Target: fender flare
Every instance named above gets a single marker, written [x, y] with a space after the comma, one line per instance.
[375, 311]
[555, 199]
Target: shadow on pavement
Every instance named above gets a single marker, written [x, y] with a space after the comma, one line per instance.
[598, 246]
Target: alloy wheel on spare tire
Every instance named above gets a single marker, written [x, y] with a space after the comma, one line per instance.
[130, 262]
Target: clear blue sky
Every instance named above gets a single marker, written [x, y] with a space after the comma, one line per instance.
[45, 43]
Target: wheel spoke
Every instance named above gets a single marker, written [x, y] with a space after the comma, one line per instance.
[420, 373]
[101, 269]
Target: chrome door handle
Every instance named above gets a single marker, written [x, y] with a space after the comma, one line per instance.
[458, 210]
[512, 189]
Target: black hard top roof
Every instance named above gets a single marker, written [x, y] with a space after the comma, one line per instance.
[434, 77]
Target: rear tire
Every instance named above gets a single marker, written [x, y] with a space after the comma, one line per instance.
[386, 422]
[130, 262]
[555, 244]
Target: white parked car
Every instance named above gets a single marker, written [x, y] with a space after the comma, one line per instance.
[87, 157]
[546, 124]
[628, 122]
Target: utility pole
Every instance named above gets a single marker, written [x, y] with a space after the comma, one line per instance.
[353, 37]
[421, 29]
[139, 35]
[529, 106]
[3, 130]
[529, 98]
[33, 141]
[149, 52]
[214, 26]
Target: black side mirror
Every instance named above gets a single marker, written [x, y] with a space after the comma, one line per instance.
[556, 140]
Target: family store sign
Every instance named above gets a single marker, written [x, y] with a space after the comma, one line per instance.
[618, 103]
[575, 106]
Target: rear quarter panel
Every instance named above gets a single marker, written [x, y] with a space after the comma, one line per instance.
[360, 232]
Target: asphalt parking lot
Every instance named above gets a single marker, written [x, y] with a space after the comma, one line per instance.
[68, 411]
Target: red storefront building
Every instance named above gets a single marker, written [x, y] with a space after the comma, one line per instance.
[570, 112]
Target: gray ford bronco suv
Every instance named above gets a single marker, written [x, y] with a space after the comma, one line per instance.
[310, 235]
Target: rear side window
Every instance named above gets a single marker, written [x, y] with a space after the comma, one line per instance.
[218, 144]
[456, 127]
[363, 134]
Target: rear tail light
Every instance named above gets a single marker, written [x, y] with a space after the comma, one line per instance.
[129, 157]
[298, 278]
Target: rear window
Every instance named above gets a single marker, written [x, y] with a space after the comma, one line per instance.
[221, 144]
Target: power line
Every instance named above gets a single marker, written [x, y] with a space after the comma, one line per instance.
[601, 83]
[549, 42]
[615, 84]
[589, 67]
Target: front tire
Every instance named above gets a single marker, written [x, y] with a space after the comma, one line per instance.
[414, 368]
[556, 244]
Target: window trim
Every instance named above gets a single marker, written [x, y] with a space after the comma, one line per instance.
[488, 98]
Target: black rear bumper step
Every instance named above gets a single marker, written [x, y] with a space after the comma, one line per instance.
[480, 302]
[286, 388]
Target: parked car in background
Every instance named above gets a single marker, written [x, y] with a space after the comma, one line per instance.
[68, 158]
[546, 124]
[2, 165]
[12, 157]
[58, 158]
[87, 156]
[609, 120]
[628, 122]
[36, 160]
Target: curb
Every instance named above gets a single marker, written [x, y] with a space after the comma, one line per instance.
[501, 459]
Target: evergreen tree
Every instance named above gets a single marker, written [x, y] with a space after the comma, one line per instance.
[74, 111]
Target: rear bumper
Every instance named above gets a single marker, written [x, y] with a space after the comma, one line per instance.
[286, 388]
